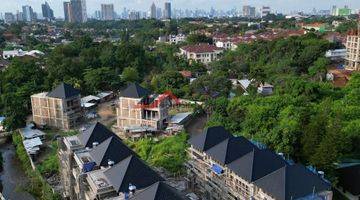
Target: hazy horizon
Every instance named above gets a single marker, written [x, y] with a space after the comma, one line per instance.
[144, 5]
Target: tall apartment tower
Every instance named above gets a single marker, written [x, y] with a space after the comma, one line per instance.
[249, 11]
[107, 12]
[59, 108]
[353, 49]
[67, 11]
[265, 10]
[28, 13]
[78, 9]
[47, 12]
[153, 11]
[167, 10]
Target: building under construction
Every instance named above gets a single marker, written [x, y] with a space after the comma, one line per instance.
[353, 49]
[224, 167]
[96, 164]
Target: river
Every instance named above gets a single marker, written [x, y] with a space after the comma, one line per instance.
[12, 175]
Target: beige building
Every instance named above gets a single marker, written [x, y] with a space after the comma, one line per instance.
[59, 108]
[224, 167]
[203, 53]
[139, 110]
[353, 50]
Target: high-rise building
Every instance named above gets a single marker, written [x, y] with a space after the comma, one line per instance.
[167, 10]
[265, 10]
[28, 13]
[153, 11]
[134, 15]
[98, 14]
[9, 18]
[67, 12]
[353, 49]
[47, 12]
[107, 12]
[78, 10]
[158, 13]
[19, 16]
[249, 11]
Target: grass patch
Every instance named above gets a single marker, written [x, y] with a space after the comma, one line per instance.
[168, 152]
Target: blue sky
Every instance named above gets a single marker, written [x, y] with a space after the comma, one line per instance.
[92, 5]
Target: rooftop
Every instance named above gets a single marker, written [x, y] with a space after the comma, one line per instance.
[63, 91]
[134, 90]
[201, 48]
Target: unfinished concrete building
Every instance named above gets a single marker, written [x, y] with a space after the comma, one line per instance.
[139, 110]
[59, 108]
[96, 164]
[224, 167]
[353, 49]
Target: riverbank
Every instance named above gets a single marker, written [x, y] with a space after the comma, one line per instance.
[13, 178]
[38, 187]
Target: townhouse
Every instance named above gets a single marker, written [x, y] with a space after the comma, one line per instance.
[222, 166]
[96, 164]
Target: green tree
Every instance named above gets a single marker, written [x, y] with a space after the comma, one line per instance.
[130, 74]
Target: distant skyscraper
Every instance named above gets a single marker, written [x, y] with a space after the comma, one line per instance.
[249, 11]
[153, 11]
[9, 18]
[98, 15]
[167, 10]
[28, 13]
[134, 15]
[265, 10]
[78, 11]
[47, 12]
[67, 12]
[158, 13]
[107, 12]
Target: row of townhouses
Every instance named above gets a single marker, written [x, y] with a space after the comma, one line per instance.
[96, 164]
[224, 167]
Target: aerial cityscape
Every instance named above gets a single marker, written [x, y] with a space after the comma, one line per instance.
[179, 100]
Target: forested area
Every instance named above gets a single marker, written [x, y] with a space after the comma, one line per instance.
[306, 118]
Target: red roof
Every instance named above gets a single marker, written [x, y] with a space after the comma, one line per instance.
[186, 74]
[201, 48]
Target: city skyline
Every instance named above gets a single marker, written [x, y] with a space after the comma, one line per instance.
[144, 5]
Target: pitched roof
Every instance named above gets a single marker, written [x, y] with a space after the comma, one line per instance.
[230, 149]
[96, 133]
[111, 149]
[134, 90]
[63, 91]
[201, 48]
[209, 138]
[133, 171]
[292, 182]
[158, 191]
[256, 164]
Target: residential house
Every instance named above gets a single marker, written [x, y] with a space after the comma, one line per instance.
[139, 111]
[203, 53]
[60, 108]
[224, 167]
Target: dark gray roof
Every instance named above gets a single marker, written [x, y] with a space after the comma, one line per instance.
[158, 191]
[230, 149]
[133, 171]
[134, 90]
[257, 164]
[111, 149]
[96, 133]
[292, 182]
[209, 138]
[63, 91]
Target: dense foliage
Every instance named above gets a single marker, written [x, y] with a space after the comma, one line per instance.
[306, 118]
